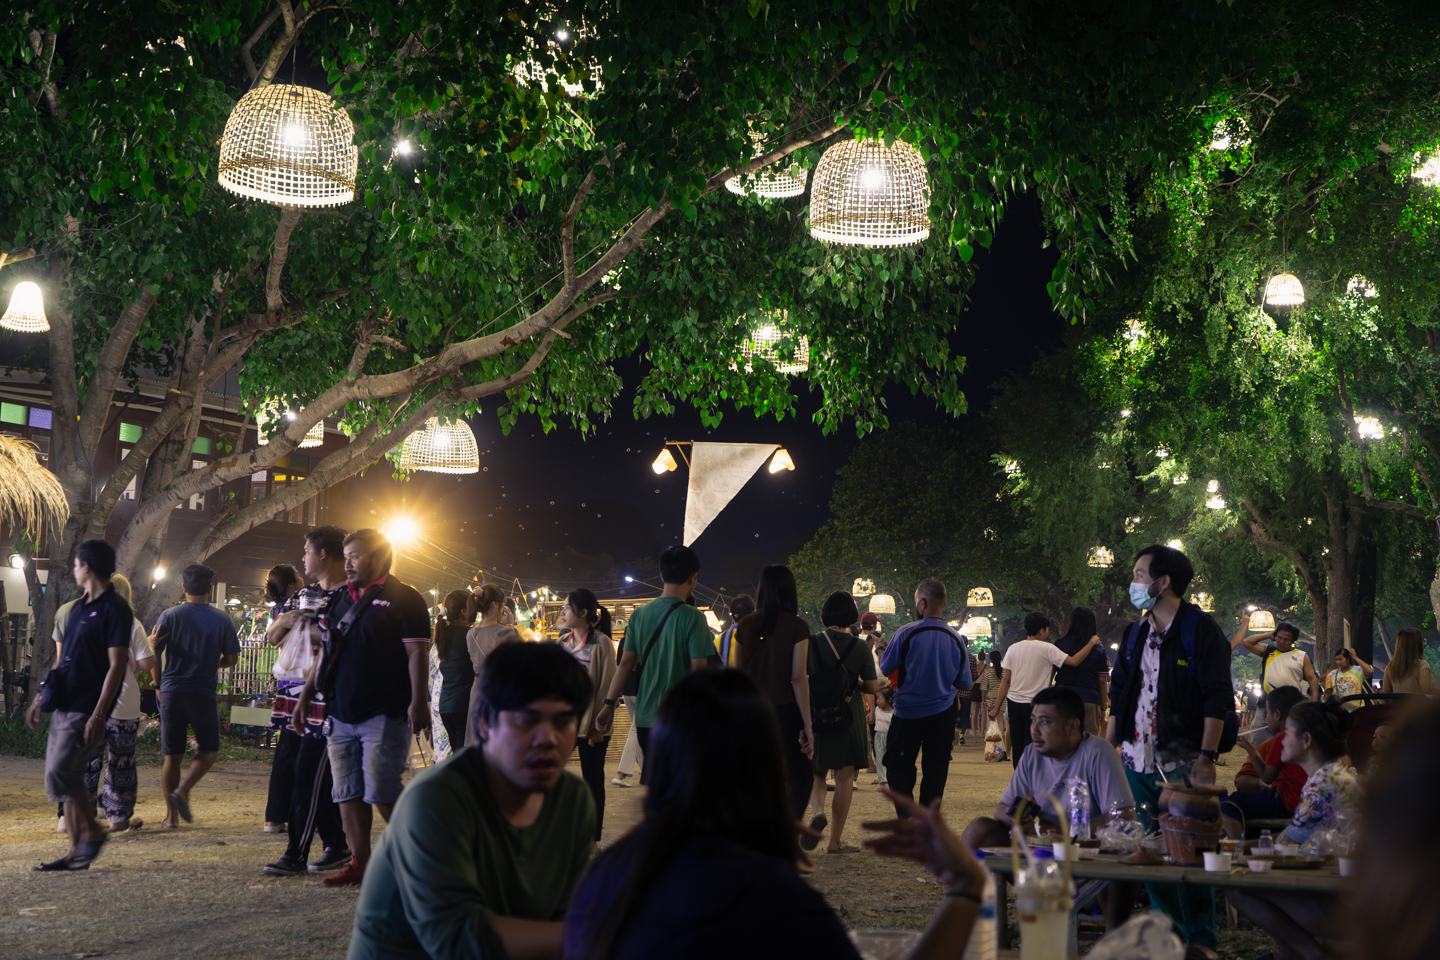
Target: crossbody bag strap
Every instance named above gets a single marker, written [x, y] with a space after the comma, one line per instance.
[654, 637]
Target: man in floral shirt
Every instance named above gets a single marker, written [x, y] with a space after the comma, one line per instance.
[1170, 706]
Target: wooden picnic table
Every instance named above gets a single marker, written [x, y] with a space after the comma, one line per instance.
[1107, 868]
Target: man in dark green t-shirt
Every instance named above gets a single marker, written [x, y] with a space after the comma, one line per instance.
[664, 640]
[483, 851]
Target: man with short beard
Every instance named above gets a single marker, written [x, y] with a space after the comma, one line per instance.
[484, 850]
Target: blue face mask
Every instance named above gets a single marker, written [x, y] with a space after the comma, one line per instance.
[1140, 596]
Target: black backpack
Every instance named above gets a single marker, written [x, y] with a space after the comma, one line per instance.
[831, 689]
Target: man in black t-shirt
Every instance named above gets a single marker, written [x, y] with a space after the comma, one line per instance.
[81, 692]
[375, 675]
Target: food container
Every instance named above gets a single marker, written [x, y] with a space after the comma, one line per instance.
[1347, 867]
[1192, 802]
[1217, 862]
[1187, 838]
[1258, 865]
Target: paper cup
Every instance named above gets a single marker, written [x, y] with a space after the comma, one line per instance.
[1259, 866]
[1062, 851]
[1217, 862]
[1347, 866]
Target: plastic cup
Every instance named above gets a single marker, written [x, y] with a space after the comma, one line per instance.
[1062, 851]
[1217, 862]
[1347, 866]
[1259, 866]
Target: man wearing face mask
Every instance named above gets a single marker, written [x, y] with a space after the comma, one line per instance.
[1173, 705]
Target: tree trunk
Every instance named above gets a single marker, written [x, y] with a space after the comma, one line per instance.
[1362, 628]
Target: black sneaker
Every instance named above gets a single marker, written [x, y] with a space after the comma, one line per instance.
[284, 867]
[331, 860]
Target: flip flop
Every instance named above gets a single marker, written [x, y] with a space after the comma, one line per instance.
[818, 824]
[182, 807]
[62, 864]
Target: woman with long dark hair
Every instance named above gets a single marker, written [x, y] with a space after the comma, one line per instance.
[457, 674]
[710, 871]
[1408, 671]
[1091, 678]
[581, 618]
[774, 650]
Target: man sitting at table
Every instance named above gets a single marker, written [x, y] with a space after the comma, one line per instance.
[1059, 751]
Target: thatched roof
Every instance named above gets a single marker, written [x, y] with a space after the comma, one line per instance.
[30, 495]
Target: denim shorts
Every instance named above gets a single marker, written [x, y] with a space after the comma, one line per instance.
[66, 756]
[367, 759]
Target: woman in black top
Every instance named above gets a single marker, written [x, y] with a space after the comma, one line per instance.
[452, 622]
[1090, 678]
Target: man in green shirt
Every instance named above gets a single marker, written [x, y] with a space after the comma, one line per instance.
[665, 639]
[483, 851]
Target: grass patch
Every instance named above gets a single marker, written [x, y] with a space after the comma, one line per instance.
[18, 740]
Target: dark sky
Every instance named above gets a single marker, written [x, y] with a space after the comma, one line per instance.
[564, 511]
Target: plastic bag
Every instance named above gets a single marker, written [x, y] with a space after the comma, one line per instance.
[296, 657]
[1150, 936]
[992, 732]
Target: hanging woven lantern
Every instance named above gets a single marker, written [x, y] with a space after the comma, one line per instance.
[267, 413]
[26, 313]
[1284, 290]
[664, 462]
[869, 194]
[882, 603]
[769, 181]
[290, 146]
[980, 597]
[862, 587]
[781, 461]
[1261, 620]
[977, 627]
[764, 341]
[1100, 557]
[441, 448]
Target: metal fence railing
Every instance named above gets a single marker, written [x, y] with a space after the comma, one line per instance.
[252, 676]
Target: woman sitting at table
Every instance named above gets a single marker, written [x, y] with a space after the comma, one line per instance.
[1315, 740]
[711, 870]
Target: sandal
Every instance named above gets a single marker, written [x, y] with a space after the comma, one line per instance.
[62, 864]
[182, 806]
[85, 853]
[818, 824]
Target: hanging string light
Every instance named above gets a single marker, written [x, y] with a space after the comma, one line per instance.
[1284, 290]
[869, 194]
[269, 411]
[441, 448]
[291, 146]
[26, 313]
[764, 342]
[768, 181]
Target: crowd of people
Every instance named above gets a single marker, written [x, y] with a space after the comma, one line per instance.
[496, 852]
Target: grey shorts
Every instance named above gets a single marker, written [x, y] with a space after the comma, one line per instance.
[367, 759]
[66, 756]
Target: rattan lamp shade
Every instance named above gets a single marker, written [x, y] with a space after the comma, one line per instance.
[441, 448]
[266, 414]
[769, 181]
[764, 342]
[290, 146]
[869, 194]
[1284, 290]
[882, 603]
[26, 313]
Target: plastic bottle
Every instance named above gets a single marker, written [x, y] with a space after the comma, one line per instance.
[1044, 903]
[982, 935]
[1266, 844]
[1077, 808]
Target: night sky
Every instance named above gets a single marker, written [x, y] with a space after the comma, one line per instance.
[564, 511]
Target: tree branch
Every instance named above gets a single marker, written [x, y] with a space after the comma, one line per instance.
[567, 226]
[245, 57]
[289, 217]
[718, 180]
[101, 392]
[1344, 396]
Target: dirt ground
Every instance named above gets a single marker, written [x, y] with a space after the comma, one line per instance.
[198, 892]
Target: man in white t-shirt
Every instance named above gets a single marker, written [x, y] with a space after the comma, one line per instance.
[115, 764]
[1029, 667]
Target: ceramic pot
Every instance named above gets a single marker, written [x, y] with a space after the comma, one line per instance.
[1191, 802]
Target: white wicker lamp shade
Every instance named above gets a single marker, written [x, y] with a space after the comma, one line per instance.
[781, 461]
[977, 627]
[764, 341]
[869, 194]
[1100, 557]
[441, 448]
[769, 181]
[980, 597]
[266, 414]
[664, 462]
[290, 146]
[882, 603]
[26, 313]
[1262, 620]
[1284, 290]
[862, 587]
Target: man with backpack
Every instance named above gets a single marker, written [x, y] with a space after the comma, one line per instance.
[931, 665]
[1173, 711]
[670, 638]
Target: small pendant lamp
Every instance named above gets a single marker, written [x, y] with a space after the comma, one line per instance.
[882, 603]
[769, 181]
[291, 146]
[868, 194]
[764, 341]
[1284, 290]
[664, 462]
[781, 461]
[26, 313]
[265, 415]
[441, 448]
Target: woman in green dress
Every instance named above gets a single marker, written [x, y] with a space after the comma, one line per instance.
[841, 668]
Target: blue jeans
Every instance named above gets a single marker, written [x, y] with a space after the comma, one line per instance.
[1190, 908]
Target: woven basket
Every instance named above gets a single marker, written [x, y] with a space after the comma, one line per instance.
[869, 194]
[290, 146]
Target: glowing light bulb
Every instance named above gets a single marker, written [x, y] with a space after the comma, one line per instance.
[872, 178]
[403, 148]
[562, 35]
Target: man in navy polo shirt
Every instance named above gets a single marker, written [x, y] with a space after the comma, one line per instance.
[934, 667]
[375, 675]
[86, 683]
